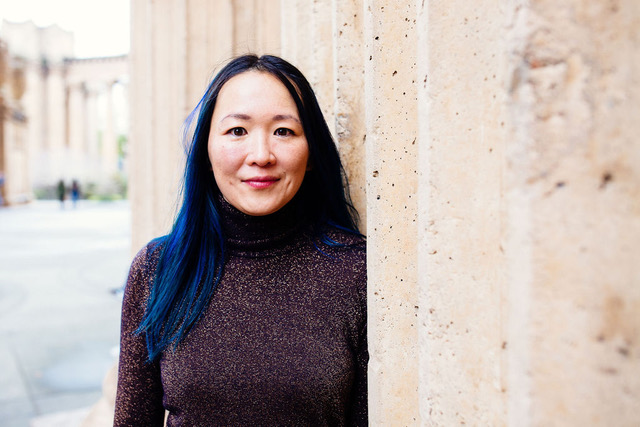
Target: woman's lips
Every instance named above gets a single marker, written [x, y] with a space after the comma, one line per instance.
[261, 181]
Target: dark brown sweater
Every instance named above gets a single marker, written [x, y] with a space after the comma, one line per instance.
[283, 341]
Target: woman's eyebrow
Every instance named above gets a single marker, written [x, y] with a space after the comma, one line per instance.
[239, 116]
[285, 117]
[246, 117]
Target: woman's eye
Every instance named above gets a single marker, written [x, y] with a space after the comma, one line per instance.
[283, 132]
[237, 131]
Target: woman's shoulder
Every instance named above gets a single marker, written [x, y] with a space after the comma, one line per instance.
[345, 239]
[343, 245]
[345, 255]
[147, 257]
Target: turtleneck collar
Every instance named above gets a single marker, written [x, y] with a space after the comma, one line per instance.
[257, 235]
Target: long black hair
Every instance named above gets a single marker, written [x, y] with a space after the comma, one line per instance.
[192, 254]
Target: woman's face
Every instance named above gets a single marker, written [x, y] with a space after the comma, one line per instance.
[257, 146]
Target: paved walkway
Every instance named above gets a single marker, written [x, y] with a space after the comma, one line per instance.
[59, 317]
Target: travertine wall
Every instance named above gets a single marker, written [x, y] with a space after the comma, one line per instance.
[490, 147]
[573, 218]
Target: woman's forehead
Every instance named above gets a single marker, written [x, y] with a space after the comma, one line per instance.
[252, 91]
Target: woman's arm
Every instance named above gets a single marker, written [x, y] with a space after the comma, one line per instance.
[139, 394]
[359, 413]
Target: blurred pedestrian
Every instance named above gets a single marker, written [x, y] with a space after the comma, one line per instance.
[62, 190]
[75, 192]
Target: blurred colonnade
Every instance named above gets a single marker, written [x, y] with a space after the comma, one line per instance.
[65, 118]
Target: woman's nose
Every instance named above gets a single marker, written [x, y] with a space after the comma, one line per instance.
[260, 152]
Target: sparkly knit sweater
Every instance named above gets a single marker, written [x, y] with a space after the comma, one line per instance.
[282, 341]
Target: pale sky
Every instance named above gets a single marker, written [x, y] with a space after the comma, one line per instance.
[101, 27]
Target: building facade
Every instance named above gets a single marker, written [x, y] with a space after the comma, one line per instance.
[15, 183]
[70, 121]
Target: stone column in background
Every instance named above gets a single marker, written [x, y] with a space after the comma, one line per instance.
[322, 56]
[109, 155]
[91, 129]
[76, 122]
[348, 97]
[256, 27]
[33, 109]
[267, 20]
[54, 132]
[208, 37]
[392, 179]
[296, 34]
[307, 42]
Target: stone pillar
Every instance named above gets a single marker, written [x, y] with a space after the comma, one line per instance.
[296, 34]
[321, 49]
[76, 122]
[109, 155]
[266, 18]
[16, 163]
[572, 196]
[307, 42]
[256, 27]
[33, 109]
[392, 179]
[208, 37]
[54, 131]
[91, 130]
[348, 97]
[461, 137]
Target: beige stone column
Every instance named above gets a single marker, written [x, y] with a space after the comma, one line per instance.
[33, 109]
[321, 50]
[91, 130]
[392, 179]
[461, 83]
[14, 157]
[208, 37]
[109, 155]
[76, 122]
[573, 213]
[307, 42]
[348, 97]
[54, 131]
[296, 33]
[266, 18]
[256, 27]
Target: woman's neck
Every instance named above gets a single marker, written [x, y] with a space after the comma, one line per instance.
[258, 233]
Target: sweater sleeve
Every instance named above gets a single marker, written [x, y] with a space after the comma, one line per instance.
[359, 415]
[139, 393]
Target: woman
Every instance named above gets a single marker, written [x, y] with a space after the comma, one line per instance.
[253, 309]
